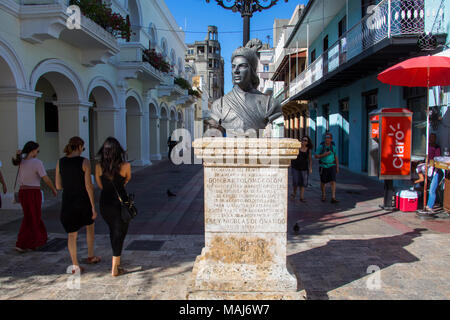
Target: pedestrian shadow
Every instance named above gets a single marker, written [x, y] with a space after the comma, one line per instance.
[340, 262]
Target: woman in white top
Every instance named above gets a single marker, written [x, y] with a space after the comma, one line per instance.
[33, 233]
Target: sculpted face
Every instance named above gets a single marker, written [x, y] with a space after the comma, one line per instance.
[241, 73]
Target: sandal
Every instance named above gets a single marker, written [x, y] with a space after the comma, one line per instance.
[324, 199]
[20, 250]
[120, 271]
[334, 200]
[303, 200]
[93, 260]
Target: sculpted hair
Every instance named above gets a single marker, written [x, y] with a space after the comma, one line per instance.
[111, 155]
[250, 52]
[29, 146]
[74, 144]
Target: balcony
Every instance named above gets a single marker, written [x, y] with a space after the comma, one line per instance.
[169, 91]
[389, 34]
[131, 64]
[41, 20]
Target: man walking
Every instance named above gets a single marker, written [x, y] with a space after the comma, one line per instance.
[329, 166]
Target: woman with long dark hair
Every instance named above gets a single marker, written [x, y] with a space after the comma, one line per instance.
[112, 173]
[73, 176]
[302, 168]
[33, 233]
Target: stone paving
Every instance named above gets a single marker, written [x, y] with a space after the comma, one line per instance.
[333, 252]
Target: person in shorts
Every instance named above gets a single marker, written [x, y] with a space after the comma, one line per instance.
[301, 168]
[328, 166]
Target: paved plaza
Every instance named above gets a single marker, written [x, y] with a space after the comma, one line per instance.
[333, 253]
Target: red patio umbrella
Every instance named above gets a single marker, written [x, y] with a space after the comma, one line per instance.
[425, 71]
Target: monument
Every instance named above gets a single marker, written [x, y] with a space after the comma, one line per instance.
[246, 192]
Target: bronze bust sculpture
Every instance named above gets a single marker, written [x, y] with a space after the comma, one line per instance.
[244, 107]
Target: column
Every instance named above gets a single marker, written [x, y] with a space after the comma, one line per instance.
[135, 134]
[155, 149]
[73, 119]
[291, 126]
[17, 127]
[108, 123]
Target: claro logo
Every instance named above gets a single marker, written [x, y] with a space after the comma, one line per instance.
[399, 146]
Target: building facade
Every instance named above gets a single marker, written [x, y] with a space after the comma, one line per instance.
[64, 75]
[348, 42]
[287, 64]
[206, 57]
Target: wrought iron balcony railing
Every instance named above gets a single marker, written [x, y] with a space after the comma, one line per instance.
[390, 18]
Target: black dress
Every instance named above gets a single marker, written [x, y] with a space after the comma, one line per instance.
[76, 210]
[110, 210]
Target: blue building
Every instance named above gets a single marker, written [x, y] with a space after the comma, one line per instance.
[348, 43]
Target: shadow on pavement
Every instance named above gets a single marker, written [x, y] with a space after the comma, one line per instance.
[340, 262]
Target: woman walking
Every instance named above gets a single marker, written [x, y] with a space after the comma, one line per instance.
[301, 168]
[33, 233]
[73, 176]
[112, 174]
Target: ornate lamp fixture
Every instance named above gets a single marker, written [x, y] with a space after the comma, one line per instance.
[246, 8]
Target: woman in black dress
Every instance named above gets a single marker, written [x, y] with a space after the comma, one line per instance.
[73, 175]
[112, 174]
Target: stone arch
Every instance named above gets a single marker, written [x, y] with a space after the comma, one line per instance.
[14, 70]
[62, 77]
[153, 131]
[164, 47]
[173, 57]
[180, 119]
[180, 67]
[134, 124]
[173, 120]
[164, 129]
[153, 33]
[16, 110]
[135, 11]
[63, 100]
[101, 120]
[105, 92]
[135, 95]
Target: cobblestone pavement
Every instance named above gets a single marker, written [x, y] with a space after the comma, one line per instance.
[333, 252]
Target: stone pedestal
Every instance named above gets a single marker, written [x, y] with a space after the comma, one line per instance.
[246, 192]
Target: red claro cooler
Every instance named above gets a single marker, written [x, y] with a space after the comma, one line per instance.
[407, 201]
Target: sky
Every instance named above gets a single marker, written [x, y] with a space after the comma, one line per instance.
[194, 17]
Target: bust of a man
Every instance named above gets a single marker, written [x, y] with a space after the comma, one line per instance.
[244, 107]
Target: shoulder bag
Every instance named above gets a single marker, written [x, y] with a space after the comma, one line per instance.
[128, 210]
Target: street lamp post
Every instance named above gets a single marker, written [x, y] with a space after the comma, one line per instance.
[246, 8]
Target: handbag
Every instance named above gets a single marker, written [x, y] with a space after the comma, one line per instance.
[127, 208]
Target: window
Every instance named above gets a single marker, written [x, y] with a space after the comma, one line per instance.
[325, 43]
[416, 101]
[51, 117]
[266, 68]
[342, 27]
[210, 63]
[313, 56]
